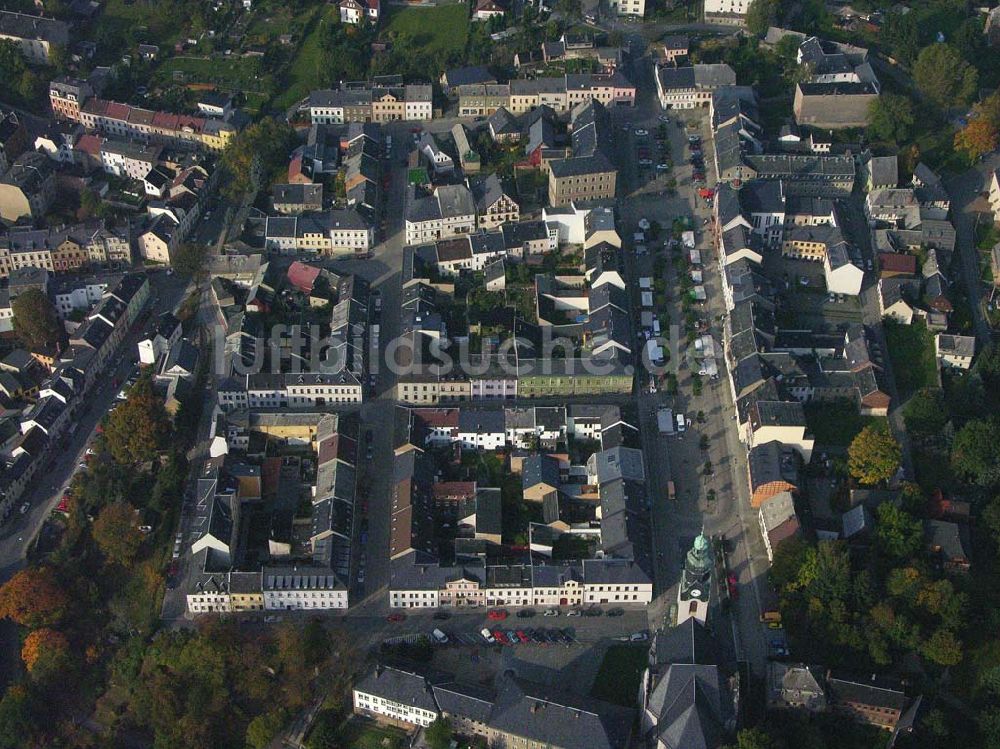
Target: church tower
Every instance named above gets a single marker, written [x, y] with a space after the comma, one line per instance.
[696, 581]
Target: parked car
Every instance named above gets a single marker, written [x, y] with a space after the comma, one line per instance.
[396, 618]
[441, 615]
[523, 637]
[573, 612]
[496, 615]
[641, 132]
[499, 636]
[638, 637]
[487, 635]
[25, 507]
[616, 612]
[551, 612]
[525, 613]
[439, 637]
[732, 586]
[592, 611]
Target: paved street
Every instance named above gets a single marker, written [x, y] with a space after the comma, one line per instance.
[17, 535]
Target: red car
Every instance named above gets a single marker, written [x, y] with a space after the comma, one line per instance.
[734, 592]
[500, 637]
[496, 615]
[396, 618]
[523, 637]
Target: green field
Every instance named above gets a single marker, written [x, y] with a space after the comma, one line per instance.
[358, 734]
[621, 673]
[444, 28]
[304, 73]
[911, 348]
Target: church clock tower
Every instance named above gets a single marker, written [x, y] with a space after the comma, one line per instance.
[696, 581]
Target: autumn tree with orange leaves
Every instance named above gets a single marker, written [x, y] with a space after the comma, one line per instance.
[978, 138]
[45, 644]
[34, 598]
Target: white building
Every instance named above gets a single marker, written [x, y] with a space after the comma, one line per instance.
[128, 159]
[159, 342]
[954, 351]
[293, 588]
[842, 274]
[635, 8]
[726, 11]
[397, 695]
[448, 212]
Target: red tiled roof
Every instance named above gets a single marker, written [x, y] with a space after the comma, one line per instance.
[454, 490]
[302, 276]
[118, 111]
[89, 144]
[897, 262]
[437, 418]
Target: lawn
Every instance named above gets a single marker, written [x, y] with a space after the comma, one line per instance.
[357, 734]
[304, 73]
[621, 671]
[444, 28]
[229, 73]
[911, 348]
[835, 423]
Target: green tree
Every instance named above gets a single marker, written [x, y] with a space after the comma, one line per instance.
[263, 729]
[753, 738]
[258, 152]
[189, 260]
[137, 430]
[943, 77]
[873, 455]
[17, 718]
[35, 321]
[762, 14]
[324, 733]
[903, 36]
[899, 533]
[116, 532]
[975, 452]
[439, 734]
[925, 413]
[943, 648]
[891, 118]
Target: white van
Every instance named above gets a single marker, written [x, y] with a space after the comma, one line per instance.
[487, 635]
[439, 637]
[681, 423]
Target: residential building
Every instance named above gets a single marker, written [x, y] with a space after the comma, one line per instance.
[494, 207]
[634, 8]
[34, 35]
[448, 211]
[954, 351]
[589, 174]
[354, 11]
[28, 187]
[297, 198]
[732, 12]
[778, 521]
[691, 86]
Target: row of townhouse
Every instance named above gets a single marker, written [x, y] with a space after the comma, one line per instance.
[560, 93]
[331, 232]
[73, 100]
[417, 585]
[65, 249]
[74, 373]
[172, 217]
[273, 588]
[385, 99]
[459, 210]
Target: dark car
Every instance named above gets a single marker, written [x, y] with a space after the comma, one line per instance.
[616, 612]
[566, 636]
[592, 612]
[525, 613]
[442, 615]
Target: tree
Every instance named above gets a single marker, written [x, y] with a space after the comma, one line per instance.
[943, 77]
[975, 452]
[890, 118]
[262, 729]
[439, 734]
[44, 645]
[753, 738]
[899, 533]
[189, 260]
[260, 150]
[978, 138]
[17, 719]
[34, 598]
[903, 35]
[925, 413]
[762, 14]
[943, 648]
[35, 321]
[116, 532]
[137, 430]
[873, 455]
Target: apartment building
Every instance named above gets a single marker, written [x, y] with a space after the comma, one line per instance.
[589, 174]
[35, 36]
